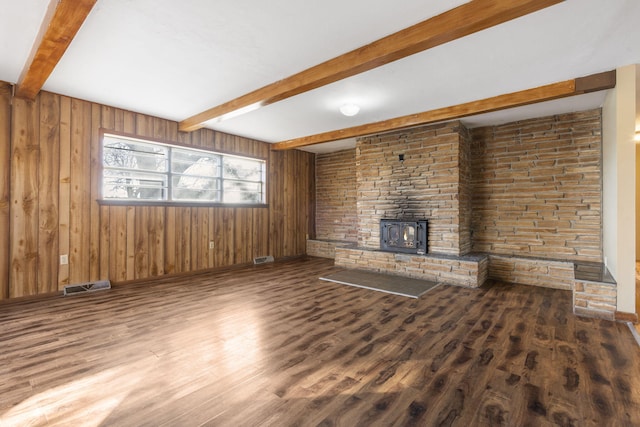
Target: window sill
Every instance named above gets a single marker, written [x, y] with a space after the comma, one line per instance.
[160, 203]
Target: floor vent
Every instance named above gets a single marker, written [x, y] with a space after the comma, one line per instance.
[87, 287]
[263, 259]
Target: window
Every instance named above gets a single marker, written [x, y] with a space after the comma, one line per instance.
[139, 170]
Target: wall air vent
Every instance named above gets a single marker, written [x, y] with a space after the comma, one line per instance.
[87, 287]
[263, 259]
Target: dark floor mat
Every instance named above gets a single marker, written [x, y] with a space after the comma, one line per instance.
[397, 285]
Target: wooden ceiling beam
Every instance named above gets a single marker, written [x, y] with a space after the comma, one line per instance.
[62, 21]
[456, 23]
[578, 86]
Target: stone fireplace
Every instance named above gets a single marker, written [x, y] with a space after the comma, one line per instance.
[519, 202]
[431, 182]
[413, 206]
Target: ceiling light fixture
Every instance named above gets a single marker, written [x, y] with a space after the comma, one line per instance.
[349, 109]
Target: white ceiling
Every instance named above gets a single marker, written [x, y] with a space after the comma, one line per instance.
[174, 59]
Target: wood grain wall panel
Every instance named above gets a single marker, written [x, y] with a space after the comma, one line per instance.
[179, 227]
[48, 173]
[23, 236]
[194, 243]
[212, 224]
[80, 202]
[227, 236]
[141, 233]
[310, 167]
[130, 266]
[118, 243]
[56, 212]
[201, 239]
[5, 180]
[259, 238]
[94, 185]
[118, 116]
[275, 200]
[170, 240]
[243, 242]
[104, 243]
[64, 191]
[218, 229]
[156, 241]
[185, 239]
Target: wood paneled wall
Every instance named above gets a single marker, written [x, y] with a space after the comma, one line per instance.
[5, 178]
[49, 207]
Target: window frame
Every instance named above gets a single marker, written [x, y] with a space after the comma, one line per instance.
[180, 203]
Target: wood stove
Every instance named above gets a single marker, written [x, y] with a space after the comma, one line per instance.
[409, 236]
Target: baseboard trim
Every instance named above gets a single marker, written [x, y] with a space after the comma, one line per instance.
[621, 316]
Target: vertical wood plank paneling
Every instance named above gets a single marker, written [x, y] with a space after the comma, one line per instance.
[260, 232]
[184, 138]
[170, 235]
[228, 219]
[118, 239]
[194, 238]
[204, 238]
[172, 131]
[179, 246]
[141, 254]
[217, 236]
[52, 181]
[64, 193]
[94, 190]
[185, 240]
[275, 202]
[80, 203]
[49, 170]
[24, 199]
[156, 240]
[195, 138]
[208, 139]
[310, 167]
[288, 202]
[211, 262]
[130, 234]
[5, 180]
[118, 119]
[240, 235]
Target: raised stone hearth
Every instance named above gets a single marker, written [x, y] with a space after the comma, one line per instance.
[469, 270]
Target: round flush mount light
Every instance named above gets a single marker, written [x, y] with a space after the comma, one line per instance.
[349, 109]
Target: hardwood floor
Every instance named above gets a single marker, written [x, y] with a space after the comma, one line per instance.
[273, 345]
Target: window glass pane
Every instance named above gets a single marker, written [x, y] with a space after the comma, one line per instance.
[124, 153]
[191, 162]
[243, 169]
[196, 188]
[140, 170]
[118, 184]
[242, 192]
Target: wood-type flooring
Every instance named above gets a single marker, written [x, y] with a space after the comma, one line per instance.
[272, 345]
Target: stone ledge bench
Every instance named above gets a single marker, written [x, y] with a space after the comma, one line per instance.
[593, 287]
[594, 291]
